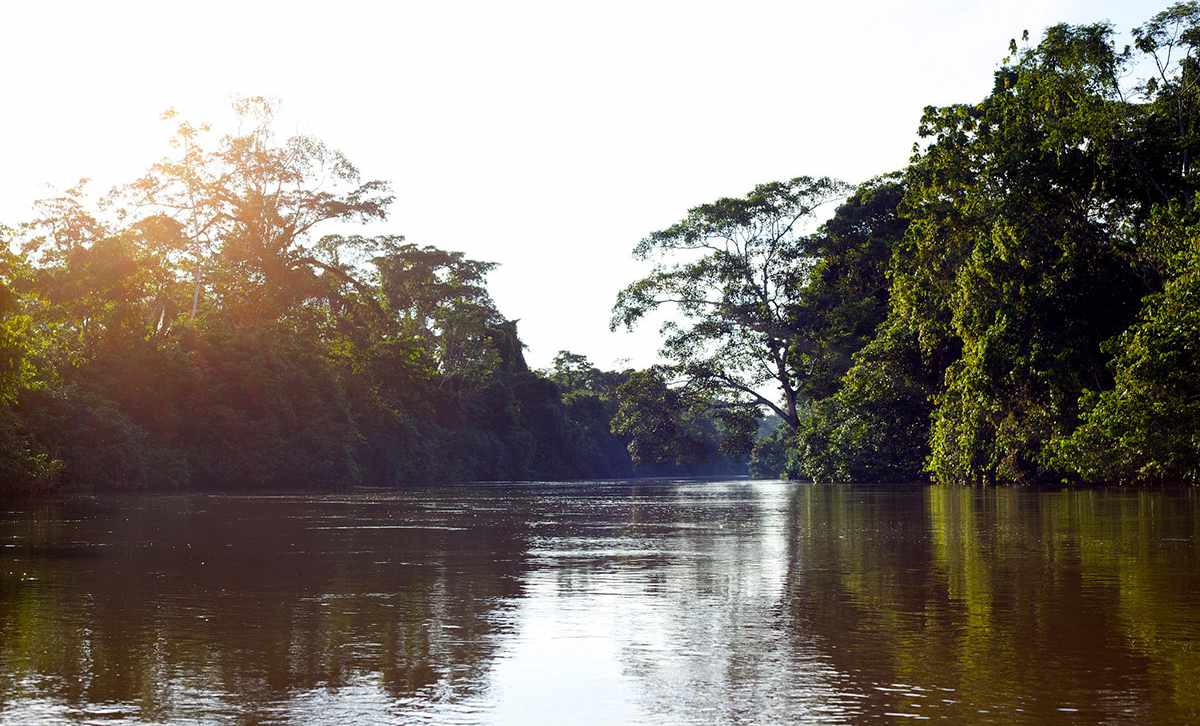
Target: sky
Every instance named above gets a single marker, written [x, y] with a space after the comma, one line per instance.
[548, 137]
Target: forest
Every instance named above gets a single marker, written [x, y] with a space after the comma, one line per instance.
[205, 327]
[1019, 305]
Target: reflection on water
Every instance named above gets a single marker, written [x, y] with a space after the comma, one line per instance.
[650, 602]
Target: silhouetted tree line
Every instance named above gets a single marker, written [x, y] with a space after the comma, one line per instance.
[1020, 304]
[203, 328]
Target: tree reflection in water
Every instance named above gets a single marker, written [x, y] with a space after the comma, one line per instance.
[651, 602]
[1011, 605]
[168, 607]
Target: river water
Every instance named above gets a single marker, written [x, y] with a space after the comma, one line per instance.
[606, 602]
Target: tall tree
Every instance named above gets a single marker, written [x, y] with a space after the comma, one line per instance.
[1171, 40]
[249, 208]
[732, 270]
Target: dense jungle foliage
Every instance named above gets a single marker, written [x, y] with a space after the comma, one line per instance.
[1020, 304]
[220, 323]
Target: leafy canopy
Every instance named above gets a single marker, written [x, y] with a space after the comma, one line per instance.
[731, 270]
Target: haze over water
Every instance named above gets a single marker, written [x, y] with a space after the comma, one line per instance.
[604, 602]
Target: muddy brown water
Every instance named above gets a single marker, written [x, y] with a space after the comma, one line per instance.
[643, 602]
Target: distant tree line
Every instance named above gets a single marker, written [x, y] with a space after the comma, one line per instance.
[219, 324]
[1020, 304]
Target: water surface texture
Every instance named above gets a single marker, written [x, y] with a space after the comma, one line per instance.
[634, 602]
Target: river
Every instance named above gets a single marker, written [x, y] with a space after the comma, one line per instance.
[643, 602]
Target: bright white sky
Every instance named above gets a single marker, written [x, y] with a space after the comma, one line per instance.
[546, 136]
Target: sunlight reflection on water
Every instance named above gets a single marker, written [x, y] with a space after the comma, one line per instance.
[604, 602]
